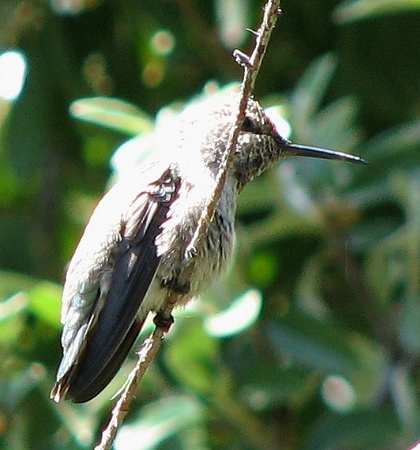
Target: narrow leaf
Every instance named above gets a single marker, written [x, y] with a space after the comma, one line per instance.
[112, 113]
[158, 421]
[366, 9]
[241, 314]
[309, 93]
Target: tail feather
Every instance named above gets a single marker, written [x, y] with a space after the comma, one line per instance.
[81, 389]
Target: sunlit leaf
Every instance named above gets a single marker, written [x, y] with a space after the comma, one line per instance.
[158, 421]
[13, 305]
[232, 21]
[351, 11]
[240, 315]
[309, 93]
[11, 321]
[112, 113]
[296, 191]
[45, 302]
[12, 282]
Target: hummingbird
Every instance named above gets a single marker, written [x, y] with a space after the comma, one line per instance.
[133, 250]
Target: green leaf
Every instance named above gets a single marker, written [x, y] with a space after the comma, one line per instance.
[404, 394]
[112, 113]
[12, 282]
[322, 346]
[297, 192]
[240, 315]
[232, 21]
[371, 368]
[264, 268]
[408, 325]
[309, 286]
[376, 429]
[11, 321]
[309, 93]
[264, 381]
[42, 298]
[45, 302]
[312, 343]
[13, 306]
[300, 216]
[268, 385]
[394, 263]
[159, 420]
[352, 11]
[22, 383]
[333, 126]
[393, 142]
[191, 355]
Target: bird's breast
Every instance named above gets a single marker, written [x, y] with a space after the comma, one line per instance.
[214, 252]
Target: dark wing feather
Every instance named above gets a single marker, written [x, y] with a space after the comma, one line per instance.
[113, 326]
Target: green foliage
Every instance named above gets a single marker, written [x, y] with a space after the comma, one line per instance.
[112, 113]
[312, 340]
[365, 9]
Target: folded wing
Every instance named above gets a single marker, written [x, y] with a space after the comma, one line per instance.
[102, 321]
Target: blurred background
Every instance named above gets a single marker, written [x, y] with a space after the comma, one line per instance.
[312, 341]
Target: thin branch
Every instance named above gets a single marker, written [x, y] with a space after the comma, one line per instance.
[148, 350]
[151, 345]
[251, 66]
[146, 355]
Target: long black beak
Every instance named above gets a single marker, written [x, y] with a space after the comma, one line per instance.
[315, 152]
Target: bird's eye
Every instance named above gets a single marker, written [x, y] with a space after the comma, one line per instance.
[250, 126]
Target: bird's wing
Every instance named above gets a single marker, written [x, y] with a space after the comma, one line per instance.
[100, 308]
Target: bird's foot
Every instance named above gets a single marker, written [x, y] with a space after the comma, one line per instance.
[163, 321]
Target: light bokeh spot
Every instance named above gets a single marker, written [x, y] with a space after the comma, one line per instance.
[13, 67]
